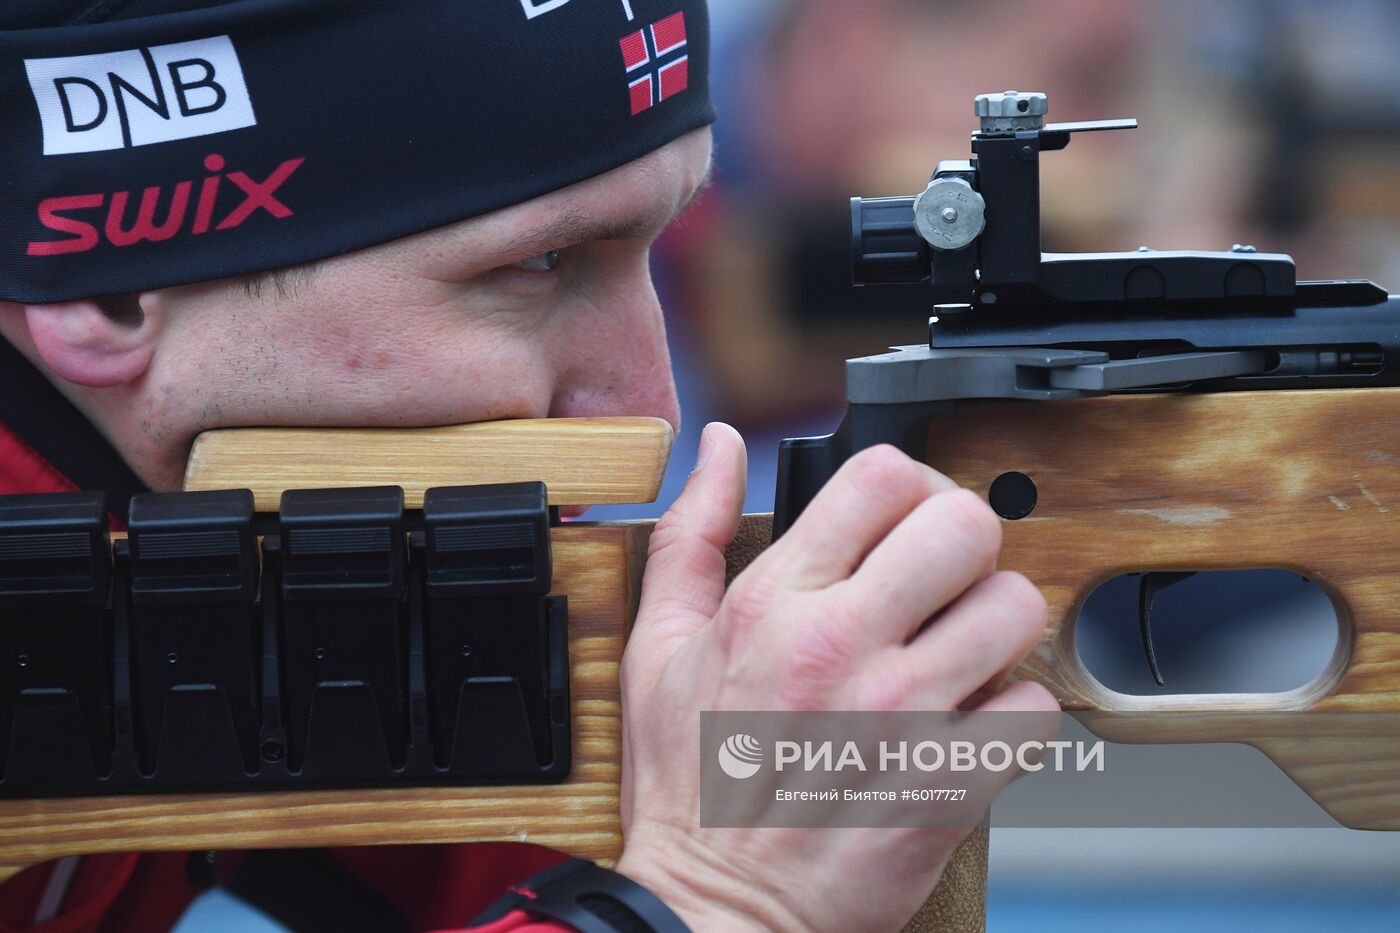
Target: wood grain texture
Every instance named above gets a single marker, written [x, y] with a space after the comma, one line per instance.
[597, 567]
[1304, 481]
[583, 461]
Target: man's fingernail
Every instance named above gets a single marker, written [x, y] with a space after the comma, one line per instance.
[704, 456]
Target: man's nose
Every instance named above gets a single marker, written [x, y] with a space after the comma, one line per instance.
[619, 373]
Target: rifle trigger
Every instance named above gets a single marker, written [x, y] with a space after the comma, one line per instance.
[1148, 588]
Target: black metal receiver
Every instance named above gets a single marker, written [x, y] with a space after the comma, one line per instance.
[1009, 321]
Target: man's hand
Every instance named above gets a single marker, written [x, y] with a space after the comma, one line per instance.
[832, 617]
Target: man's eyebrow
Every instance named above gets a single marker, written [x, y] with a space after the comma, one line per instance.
[573, 226]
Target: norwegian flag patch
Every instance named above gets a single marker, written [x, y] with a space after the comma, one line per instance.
[659, 52]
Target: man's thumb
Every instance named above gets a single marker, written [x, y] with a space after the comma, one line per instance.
[684, 580]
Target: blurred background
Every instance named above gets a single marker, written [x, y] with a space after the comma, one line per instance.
[1272, 122]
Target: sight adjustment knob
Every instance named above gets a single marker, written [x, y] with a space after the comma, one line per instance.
[950, 215]
[1011, 111]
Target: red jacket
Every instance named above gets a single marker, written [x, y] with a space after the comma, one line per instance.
[435, 887]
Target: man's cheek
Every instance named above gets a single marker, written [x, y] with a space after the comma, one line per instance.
[485, 378]
[458, 362]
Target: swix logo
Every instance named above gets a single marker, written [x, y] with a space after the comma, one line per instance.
[114, 100]
[649, 48]
[58, 214]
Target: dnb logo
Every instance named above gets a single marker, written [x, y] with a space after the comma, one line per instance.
[740, 756]
[114, 100]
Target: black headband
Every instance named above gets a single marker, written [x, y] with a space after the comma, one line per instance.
[258, 134]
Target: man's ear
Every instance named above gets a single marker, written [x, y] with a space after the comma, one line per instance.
[98, 343]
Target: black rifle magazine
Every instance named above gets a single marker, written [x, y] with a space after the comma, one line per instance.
[343, 642]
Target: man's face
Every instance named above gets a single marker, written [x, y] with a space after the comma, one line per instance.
[545, 309]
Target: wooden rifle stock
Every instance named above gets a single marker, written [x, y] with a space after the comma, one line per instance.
[1299, 480]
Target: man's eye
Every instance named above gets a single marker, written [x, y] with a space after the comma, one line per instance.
[546, 262]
